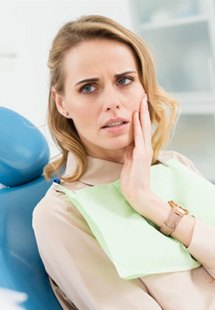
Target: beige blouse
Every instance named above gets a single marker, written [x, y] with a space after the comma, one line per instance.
[82, 274]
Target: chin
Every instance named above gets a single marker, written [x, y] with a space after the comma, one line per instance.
[119, 143]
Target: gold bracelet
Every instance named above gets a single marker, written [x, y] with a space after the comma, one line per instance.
[174, 217]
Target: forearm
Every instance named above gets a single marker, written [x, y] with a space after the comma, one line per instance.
[153, 208]
[196, 235]
[202, 245]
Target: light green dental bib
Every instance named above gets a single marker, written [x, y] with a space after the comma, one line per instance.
[134, 245]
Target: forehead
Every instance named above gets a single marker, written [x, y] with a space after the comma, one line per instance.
[98, 56]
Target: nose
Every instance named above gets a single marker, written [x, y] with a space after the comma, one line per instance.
[111, 107]
[111, 101]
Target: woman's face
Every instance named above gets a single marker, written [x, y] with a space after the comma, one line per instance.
[102, 91]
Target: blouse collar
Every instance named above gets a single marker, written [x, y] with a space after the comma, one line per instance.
[99, 171]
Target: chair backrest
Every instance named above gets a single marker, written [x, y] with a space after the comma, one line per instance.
[23, 154]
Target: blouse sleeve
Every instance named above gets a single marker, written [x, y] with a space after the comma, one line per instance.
[202, 246]
[167, 155]
[77, 264]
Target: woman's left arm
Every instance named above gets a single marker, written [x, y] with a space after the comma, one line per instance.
[202, 245]
[198, 237]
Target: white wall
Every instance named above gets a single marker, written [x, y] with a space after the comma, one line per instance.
[27, 28]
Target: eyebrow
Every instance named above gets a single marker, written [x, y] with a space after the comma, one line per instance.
[93, 80]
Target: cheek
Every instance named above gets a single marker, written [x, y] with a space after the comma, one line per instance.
[76, 110]
[140, 91]
[137, 95]
[82, 117]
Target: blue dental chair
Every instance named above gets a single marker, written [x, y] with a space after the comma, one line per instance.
[23, 154]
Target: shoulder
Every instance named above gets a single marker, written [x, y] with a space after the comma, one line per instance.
[55, 210]
[167, 155]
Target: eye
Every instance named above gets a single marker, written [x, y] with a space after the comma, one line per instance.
[125, 81]
[87, 89]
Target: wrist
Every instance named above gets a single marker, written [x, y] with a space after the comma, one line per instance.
[179, 224]
[150, 206]
[175, 215]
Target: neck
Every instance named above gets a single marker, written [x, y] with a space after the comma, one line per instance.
[114, 156]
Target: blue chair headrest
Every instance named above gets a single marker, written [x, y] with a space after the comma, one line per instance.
[23, 149]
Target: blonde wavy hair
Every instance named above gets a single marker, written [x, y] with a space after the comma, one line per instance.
[162, 108]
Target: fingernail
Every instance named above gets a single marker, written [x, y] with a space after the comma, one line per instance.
[145, 101]
[145, 97]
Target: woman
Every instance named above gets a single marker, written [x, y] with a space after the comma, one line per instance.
[111, 119]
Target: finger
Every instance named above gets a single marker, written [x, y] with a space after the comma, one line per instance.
[128, 155]
[144, 113]
[138, 133]
[128, 151]
[145, 121]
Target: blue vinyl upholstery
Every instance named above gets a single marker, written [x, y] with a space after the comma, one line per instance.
[23, 154]
[23, 149]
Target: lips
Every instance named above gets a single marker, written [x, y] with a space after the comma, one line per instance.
[115, 122]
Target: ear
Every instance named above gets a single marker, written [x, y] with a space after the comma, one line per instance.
[59, 101]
